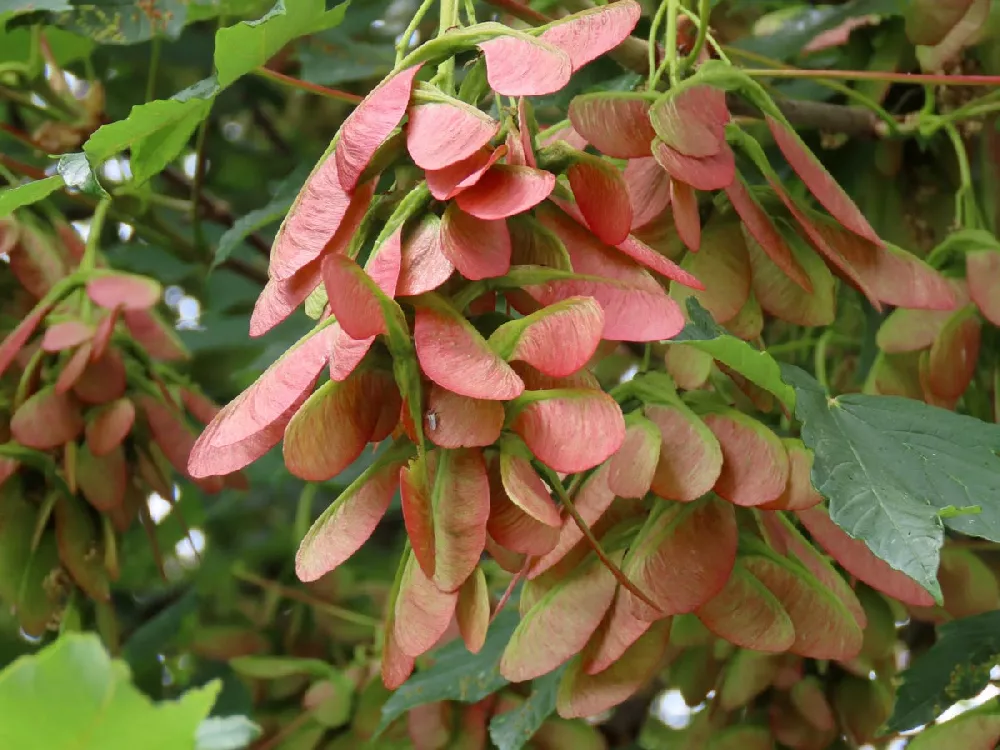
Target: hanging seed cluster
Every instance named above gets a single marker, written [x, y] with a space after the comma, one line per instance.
[466, 266]
[94, 420]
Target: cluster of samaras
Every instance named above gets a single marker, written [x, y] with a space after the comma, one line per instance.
[92, 421]
[490, 412]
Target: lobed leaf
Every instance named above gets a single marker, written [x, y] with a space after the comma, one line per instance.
[873, 467]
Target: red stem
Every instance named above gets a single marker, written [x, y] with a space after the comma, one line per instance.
[313, 88]
[19, 166]
[871, 75]
[520, 10]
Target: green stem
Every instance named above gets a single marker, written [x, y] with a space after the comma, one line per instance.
[446, 70]
[819, 358]
[154, 66]
[872, 75]
[673, 6]
[712, 42]
[581, 523]
[840, 88]
[89, 260]
[301, 596]
[704, 10]
[312, 88]
[966, 214]
[654, 32]
[403, 46]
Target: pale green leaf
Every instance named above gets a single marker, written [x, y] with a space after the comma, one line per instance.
[226, 733]
[755, 365]
[96, 706]
[156, 132]
[14, 198]
[249, 44]
[77, 173]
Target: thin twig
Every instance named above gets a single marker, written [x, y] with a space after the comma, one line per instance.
[595, 545]
[528, 561]
[305, 598]
[874, 75]
[313, 88]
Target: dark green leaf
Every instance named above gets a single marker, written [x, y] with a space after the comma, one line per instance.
[125, 21]
[797, 31]
[274, 211]
[513, 729]
[241, 48]
[956, 667]
[14, 198]
[456, 674]
[755, 365]
[77, 173]
[889, 465]
[98, 707]
[334, 58]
